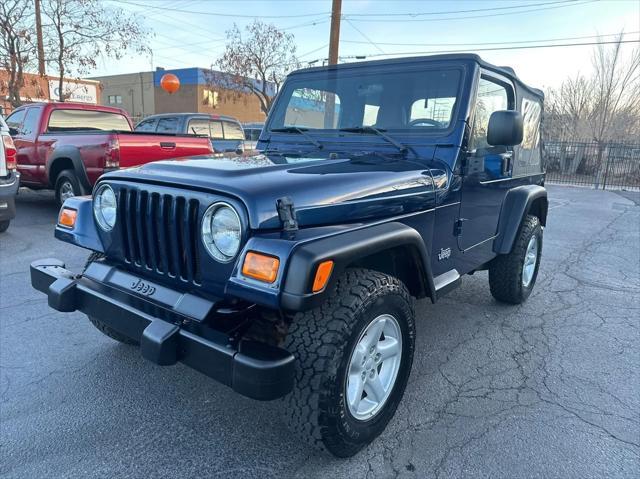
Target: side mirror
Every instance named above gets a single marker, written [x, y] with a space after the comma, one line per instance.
[505, 128]
[13, 131]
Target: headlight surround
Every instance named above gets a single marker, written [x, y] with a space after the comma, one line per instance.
[222, 231]
[105, 207]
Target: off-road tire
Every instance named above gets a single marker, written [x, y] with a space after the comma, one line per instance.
[322, 341]
[70, 177]
[505, 271]
[107, 331]
[4, 225]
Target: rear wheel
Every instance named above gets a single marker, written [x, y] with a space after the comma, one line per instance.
[67, 186]
[4, 225]
[512, 276]
[354, 357]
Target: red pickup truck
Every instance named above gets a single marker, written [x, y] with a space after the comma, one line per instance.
[67, 146]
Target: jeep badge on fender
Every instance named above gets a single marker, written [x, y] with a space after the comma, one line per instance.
[292, 274]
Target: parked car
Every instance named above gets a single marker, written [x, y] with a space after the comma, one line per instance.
[9, 177]
[225, 132]
[252, 134]
[292, 274]
[67, 146]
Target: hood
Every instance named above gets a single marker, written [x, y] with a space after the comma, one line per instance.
[324, 190]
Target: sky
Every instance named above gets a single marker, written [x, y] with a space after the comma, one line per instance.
[191, 33]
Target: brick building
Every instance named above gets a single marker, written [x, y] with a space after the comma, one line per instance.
[45, 88]
[201, 90]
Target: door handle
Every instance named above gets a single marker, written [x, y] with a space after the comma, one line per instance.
[167, 145]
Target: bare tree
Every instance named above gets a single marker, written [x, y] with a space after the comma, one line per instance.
[257, 62]
[569, 105]
[603, 104]
[16, 47]
[81, 31]
[615, 89]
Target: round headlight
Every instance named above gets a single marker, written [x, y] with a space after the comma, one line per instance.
[221, 231]
[105, 207]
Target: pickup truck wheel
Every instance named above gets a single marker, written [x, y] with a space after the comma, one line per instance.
[512, 276]
[354, 358]
[67, 186]
[4, 225]
[113, 334]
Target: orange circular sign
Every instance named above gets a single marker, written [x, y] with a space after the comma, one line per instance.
[170, 83]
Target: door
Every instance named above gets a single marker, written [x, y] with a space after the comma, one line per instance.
[25, 124]
[487, 170]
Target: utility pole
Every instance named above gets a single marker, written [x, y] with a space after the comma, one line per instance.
[334, 43]
[41, 70]
[334, 37]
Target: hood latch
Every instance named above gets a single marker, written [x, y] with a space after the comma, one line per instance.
[287, 213]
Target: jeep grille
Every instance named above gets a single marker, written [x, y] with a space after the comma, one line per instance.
[160, 233]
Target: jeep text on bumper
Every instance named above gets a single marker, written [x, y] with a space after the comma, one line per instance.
[256, 370]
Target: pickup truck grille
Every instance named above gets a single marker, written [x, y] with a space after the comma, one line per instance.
[160, 233]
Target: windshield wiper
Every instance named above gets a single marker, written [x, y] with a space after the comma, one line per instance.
[370, 129]
[300, 131]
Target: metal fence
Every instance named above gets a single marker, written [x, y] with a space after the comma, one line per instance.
[613, 165]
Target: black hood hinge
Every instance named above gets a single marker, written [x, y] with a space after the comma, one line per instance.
[287, 213]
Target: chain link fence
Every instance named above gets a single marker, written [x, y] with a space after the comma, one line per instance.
[612, 165]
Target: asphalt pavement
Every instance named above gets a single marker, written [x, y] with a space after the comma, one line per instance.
[547, 389]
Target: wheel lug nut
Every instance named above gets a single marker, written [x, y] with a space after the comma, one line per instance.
[364, 375]
[372, 349]
[372, 373]
[378, 356]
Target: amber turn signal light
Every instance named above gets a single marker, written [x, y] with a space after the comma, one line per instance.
[261, 267]
[67, 217]
[323, 274]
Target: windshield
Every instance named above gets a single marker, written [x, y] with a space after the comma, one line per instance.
[64, 120]
[421, 100]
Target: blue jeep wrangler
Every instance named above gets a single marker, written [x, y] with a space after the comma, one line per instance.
[292, 274]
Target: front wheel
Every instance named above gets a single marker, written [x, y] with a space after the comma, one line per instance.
[4, 225]
[354, 358]
[512, 276]
[67, 186]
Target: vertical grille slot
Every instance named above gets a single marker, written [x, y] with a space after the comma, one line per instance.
[160, 233]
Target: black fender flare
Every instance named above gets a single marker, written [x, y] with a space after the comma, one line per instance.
[72, 153]
[344, 249]
[515, 206]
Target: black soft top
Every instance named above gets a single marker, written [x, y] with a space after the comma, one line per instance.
[449, 57]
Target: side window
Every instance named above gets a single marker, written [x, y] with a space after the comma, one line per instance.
[370, 117]
[198, 127]
[216, 130]
[15, 120]
[168, 125]
[529, 159]
[30, 124]
[491, 97]
[146, 125]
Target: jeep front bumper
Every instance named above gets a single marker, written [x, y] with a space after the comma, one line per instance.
[167, 328]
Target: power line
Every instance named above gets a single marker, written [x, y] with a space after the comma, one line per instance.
[490, 43]
[448, 19]
[449, 12]
[364, 35]
[217, 14]
[523, 47]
